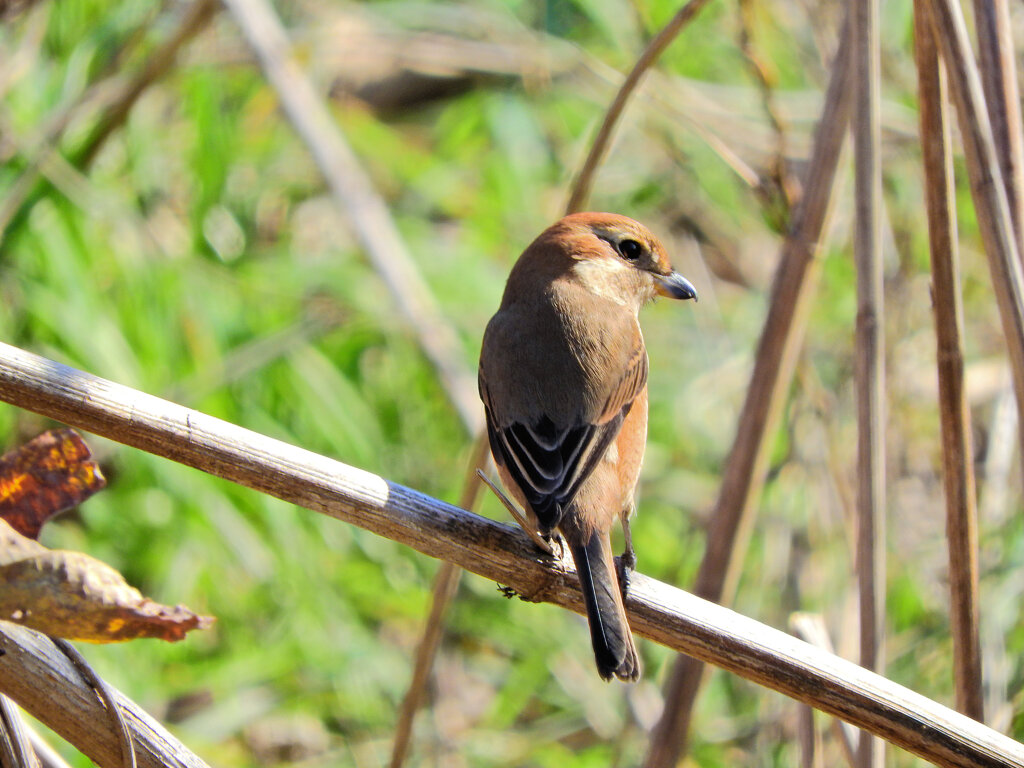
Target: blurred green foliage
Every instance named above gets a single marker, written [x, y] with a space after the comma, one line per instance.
[200, 258]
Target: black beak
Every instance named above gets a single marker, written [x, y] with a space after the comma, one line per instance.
[675, 286]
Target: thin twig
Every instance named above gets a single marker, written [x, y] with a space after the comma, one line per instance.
[947, 304]
[48, 756]
[116, 109]
[360, 204]
[45, 683]
[811, 629]
[446, 582]
[987, 188]
[106, 695]
[585, 179]
[15, 748]
[498, 552]
[198, 15]
[870, 354]
[777, 192]
[775, 362]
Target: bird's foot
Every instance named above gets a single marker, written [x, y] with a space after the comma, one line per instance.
[556, 545]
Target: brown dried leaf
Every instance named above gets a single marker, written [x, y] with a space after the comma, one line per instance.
[45, 476]
[14, 546]
[72, 595]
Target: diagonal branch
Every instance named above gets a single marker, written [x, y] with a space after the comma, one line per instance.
[499, 552]
[585, 180]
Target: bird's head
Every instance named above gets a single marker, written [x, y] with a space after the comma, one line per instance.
[611, 256]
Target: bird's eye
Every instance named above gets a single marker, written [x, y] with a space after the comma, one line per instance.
[630, 250]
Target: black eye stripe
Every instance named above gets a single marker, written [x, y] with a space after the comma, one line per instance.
[630, 250]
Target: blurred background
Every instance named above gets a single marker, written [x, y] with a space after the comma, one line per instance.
[194, 252]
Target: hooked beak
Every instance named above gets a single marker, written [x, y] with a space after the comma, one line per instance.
[675, 286]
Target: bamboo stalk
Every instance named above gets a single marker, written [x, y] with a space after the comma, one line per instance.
[957, 453]
[870, 354]
[498, 552]
[774, 365]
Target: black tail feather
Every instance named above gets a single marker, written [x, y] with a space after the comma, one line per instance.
[614, 650]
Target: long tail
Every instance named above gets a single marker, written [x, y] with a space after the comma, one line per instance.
[609, 630]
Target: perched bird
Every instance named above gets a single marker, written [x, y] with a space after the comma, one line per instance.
[563, 378]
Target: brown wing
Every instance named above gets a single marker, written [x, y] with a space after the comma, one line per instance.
[548, 462]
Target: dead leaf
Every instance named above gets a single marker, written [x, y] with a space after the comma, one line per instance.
[45, 476]
[71, 595]
[14, 546]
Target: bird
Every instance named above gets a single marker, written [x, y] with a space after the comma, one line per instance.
[563, 379]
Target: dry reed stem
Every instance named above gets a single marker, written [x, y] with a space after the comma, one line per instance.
[1002, 96]
[198, 15]
[106, 695]
[954, 414]
[811, 629]
[495, 551]
[869, 353]
[987, 188]
[774, 364]
[360, 203]
[15, 749]
[35, 673]
[446, 583]
[48, 756]
[585, 180]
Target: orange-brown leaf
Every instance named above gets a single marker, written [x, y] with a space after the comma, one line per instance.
[72, 595]
[45, 476]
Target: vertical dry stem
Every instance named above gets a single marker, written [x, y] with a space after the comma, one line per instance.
[999, 81]
[958, 467]
[870, 354]
[987, 188]
[774, 364]
[446, 583]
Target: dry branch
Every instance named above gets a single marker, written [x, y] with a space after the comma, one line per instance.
[35, 673]
[585, 180]
[954, 414]
[360, 204]
[498, 552]
[774, 364]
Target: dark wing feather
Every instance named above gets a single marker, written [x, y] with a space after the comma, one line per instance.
[549, 463]
[549, 473]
